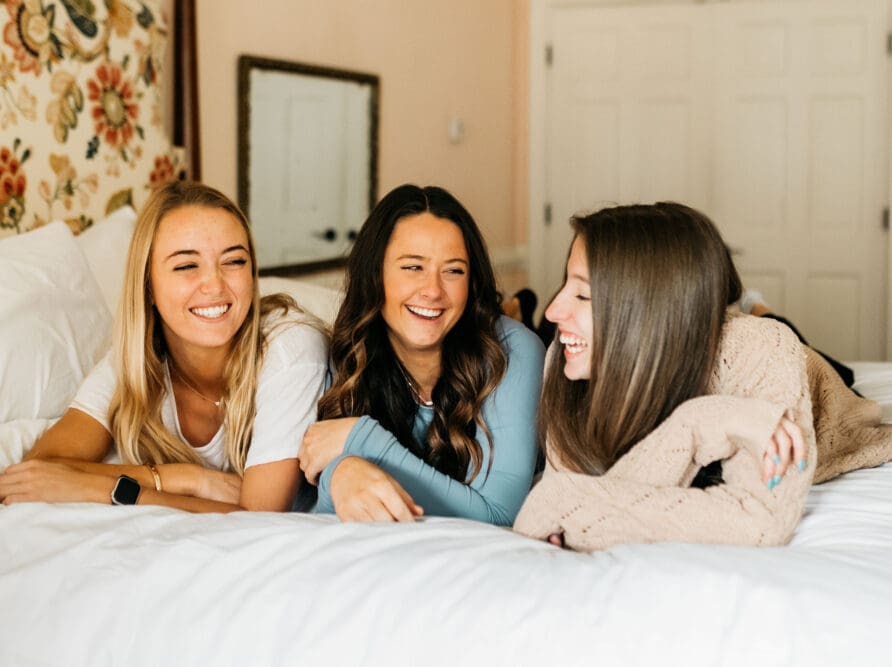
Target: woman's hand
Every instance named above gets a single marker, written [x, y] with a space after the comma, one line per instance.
[52, 482]
[323, 443]
[786, 445]
[224, 487]
[557, 539]
[361, 491]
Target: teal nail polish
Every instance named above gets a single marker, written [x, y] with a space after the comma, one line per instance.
[776, 460]
[771, 484]
[776, 479]
[801, 465]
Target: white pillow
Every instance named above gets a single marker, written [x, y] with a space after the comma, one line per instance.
[323, 302]
[17, 437]
[105, 245]
[54, 324]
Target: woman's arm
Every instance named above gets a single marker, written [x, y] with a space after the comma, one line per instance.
[762, 358]
[290, 384]
[510, 414]
[647, 499]
[63, 466]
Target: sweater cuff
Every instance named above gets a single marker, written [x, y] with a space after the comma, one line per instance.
[325, 480]
[353, 446]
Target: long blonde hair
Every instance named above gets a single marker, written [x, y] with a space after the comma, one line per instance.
[140, 350]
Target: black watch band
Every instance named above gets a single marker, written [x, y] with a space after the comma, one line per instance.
[126, 491]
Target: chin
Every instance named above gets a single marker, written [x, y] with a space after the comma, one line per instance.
[575, 373]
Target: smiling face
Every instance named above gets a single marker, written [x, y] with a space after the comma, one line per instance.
[425, 275]
[571, 311]
[201, 278]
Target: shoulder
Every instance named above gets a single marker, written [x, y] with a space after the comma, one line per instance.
[747, 333]
[517, 339]
[756, 350]
[292, 338]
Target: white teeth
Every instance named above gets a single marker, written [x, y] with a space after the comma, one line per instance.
[572, 343]
[425, 312]
[211, 313]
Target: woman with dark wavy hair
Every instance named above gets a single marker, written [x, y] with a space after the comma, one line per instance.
[434, 396]
[670, 418]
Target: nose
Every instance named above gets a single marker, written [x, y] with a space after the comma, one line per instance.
[556, 310]
[212, 281]
[433, 286]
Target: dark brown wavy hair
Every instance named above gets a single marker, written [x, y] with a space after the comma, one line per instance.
[369, 378]
[661, 279]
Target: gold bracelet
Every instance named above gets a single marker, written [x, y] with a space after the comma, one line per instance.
[155, 476]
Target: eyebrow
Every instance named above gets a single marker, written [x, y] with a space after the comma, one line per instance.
[231, 248]
[423, 258]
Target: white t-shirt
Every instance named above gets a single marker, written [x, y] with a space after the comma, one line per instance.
[292, 379]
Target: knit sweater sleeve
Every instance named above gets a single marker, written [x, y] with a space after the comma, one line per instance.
[646, 496]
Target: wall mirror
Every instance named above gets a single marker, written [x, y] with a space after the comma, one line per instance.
[308, 155]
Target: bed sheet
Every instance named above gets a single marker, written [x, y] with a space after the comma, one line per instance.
[86, 585]
[94, 585]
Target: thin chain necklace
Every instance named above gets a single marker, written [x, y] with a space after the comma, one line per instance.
[416, 394]
[190, 386]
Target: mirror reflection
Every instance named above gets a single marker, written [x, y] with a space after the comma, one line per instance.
[307, 160]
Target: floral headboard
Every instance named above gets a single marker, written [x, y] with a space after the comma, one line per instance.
[81, 115]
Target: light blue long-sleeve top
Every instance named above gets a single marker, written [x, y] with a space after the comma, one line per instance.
[510, 415]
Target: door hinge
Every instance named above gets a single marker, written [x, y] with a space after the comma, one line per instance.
[886, 218]
[549, 55]
[547, 214]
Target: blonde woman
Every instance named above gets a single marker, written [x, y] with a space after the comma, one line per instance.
[204, 398]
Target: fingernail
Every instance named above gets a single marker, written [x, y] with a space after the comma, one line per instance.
[776, 479]
[801, 465]
[776, 460]
[771, 484]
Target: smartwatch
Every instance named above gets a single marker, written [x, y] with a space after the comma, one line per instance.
[126, 491]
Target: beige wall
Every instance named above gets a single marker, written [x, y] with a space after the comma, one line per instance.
[437, 59]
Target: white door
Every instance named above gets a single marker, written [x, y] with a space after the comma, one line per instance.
[800, 172]
[769, 117]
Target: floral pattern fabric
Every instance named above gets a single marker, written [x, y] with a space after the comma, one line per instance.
[81, 130]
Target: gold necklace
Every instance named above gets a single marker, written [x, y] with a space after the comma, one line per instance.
[190, 386]
[416, 394]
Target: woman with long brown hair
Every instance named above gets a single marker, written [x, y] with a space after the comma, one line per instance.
[434, 395]
[666, 416]
[208, 388]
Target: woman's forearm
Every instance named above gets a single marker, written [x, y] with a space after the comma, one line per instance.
[182, 479]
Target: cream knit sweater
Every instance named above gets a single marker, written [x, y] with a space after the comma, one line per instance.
[762, 373]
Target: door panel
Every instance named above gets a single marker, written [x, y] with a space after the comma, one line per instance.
[769, 117]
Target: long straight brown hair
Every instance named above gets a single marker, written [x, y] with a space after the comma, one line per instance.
[661, 279]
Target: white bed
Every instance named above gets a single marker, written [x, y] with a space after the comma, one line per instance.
[101, 585]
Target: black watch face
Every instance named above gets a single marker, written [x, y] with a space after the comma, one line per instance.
[126, 491]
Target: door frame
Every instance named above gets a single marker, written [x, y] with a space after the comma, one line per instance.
[538, 176]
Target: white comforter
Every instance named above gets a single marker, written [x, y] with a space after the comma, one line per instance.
[97, 585]
[101, 585]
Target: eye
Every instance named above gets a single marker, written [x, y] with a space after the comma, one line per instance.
[237, 261]
[411, 267]
[456, 271]
[583, 297]
[185, 267]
